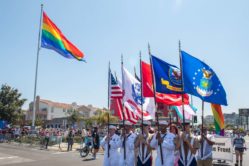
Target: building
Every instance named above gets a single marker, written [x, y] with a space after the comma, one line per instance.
[209, 120]
[55, 113]
[48, 110]
[230, 119]
[87, 111]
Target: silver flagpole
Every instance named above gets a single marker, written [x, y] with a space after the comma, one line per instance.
[154, 90]
[36, 71]
[183, 111]
[108, 105]
[122, 69]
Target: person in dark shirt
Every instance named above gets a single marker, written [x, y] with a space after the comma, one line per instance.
[95, 138]
[70, 140]
[239, 144]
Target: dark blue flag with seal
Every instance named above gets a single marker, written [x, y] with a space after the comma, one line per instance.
[201, 81]
[167, 77]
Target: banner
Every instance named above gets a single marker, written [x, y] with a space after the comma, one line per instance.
[223, 148]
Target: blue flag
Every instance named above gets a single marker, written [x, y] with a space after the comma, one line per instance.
[167, 77]
[201, 81]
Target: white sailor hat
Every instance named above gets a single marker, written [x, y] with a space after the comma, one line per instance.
[112, 127]
[128, 123]
[163, 122]
[146, 123]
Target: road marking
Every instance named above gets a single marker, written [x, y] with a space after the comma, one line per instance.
[9, 157]
[63, 152]
[13, 160]
[59, 153]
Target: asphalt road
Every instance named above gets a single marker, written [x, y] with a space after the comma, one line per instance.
[14, 155]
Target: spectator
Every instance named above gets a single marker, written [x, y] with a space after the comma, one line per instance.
[95, 139]
[47, 135]
[239, 144]
[70, 140]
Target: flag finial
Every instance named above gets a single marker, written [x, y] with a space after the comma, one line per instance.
[149, 48]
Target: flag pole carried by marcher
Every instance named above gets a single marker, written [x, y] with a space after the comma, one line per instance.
[108, 105]
[154, 90]
[183, 111]
[122, 66]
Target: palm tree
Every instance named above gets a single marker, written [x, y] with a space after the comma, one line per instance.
[101, 118]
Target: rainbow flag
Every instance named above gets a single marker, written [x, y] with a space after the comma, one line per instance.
[219, 122]
[52, 38]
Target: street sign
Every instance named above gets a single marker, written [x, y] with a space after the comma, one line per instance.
[244, 112]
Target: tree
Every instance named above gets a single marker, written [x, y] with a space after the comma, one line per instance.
[229, 127]
[211, 127]
[74, 116]
[10, 103]
[38, 122]
[19, 118]
[88, 122]
[102, 117]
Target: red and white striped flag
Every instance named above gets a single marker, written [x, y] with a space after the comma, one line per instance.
[133, 98]
[116, 101]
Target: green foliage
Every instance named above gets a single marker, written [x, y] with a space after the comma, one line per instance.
[102, 117]
[229, 127]
[88, 122]
[211, 127]
[10, 103]
[19, 118]
[241, 130]
[38, 122]
[74, 116]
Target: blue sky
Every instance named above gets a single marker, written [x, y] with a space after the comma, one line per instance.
[213, 31]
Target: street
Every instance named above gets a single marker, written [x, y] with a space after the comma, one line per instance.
[15, 155]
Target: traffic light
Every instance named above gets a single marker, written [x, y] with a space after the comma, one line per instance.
[195, 119]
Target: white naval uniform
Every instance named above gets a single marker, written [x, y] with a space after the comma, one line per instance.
[168, 148]
[129, 150]
[207, 149]
[115, 144]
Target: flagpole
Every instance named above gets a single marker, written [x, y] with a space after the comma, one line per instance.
[122, 69]
[183, 112]
[109, 81]
[154, 91]
[36, 70]
[108, 101]
[135, 72]
[192, 115]
[202, 121]
[141, 83]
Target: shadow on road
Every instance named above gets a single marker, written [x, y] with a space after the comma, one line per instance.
[88, 159]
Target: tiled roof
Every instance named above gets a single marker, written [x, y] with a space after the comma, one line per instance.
[56, 104]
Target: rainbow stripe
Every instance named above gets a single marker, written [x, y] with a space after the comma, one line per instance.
[219, 122]
[52, 38]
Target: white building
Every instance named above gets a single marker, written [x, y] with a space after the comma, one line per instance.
[48, 110]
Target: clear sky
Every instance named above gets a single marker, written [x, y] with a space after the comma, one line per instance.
[216, 31]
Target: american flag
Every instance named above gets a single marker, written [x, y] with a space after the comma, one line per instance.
[116, 96]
